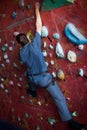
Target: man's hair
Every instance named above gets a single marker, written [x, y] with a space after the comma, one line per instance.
[20, 40]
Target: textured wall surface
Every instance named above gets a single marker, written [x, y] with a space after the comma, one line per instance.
[15, 105]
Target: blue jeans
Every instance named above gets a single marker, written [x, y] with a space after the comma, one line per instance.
[54, 90]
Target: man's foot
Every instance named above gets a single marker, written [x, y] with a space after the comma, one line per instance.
[76, 126]
[31, 93]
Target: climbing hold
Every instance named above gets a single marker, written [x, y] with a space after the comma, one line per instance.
[73, 34]
[44, 53]
[44, 31]
[11, 82]
[3, 48]
[47, 64]
[2, 65]
[2, 79]
[7, 61]
[26, 115]
[54, 74]
[19, 119]
[51, 121]
[22, 97]
[39, 103]
[2, 86]
[21, 3]
[5, 56]
[37, 127]
[74, 114]
[10, 48]
[15, 75]
[20, 79]
[41, 118]
[15, 65]
[15, 33]
[28, 6]
[81, 72]
[71, 56]
[80, 47]
[52, 62]
[14, 14]
[6, 90]
[51, 47]
[59, 50]
[30, 100]
[60, 74]
[45, 44]
[19, 85]
[6, 44]
[68, 98]
[56, 36]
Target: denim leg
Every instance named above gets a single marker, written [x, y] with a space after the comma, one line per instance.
[60, 101]
[32, 86]
[44, 79]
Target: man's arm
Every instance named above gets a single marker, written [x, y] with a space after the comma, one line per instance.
[38, 18]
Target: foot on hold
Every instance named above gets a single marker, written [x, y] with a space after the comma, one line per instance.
[77, 126]
[32, 93]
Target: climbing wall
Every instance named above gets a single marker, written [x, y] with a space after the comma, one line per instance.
[16, 106]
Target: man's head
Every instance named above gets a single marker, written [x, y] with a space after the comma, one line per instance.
[22, 39]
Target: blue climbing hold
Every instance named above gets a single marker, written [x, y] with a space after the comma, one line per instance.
[73, 34]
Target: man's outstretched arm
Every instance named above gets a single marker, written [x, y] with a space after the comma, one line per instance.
[38, 17]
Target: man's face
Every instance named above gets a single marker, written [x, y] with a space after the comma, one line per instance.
[23, 39]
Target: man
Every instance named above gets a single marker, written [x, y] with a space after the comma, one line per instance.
[31, 55]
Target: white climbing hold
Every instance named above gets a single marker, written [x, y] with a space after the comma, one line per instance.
[52, 62]
[44, 53]
[46, 63]
[51, 47]
[15, 34]
[45, 44]
[54, 74]
[71, 56]
[59, 50]
[80, 47]
[80, 72]
[5, 56]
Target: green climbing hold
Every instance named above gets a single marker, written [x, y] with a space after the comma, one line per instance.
[28, 6]
[74, 114]
[19, 119]
[51, 121]
[3, 48]
[56, 36]
[26, 115]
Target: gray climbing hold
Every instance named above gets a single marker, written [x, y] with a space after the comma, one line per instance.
[56, 36]
[44, 31]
